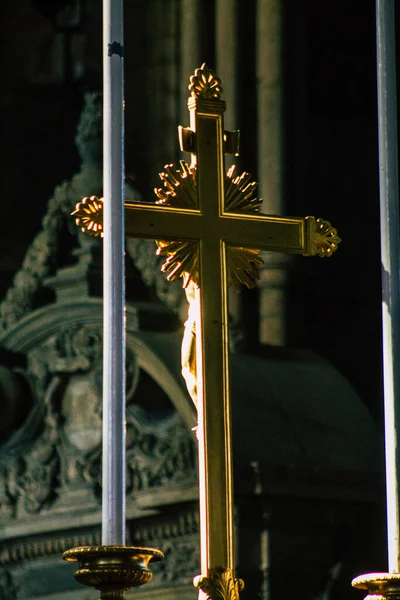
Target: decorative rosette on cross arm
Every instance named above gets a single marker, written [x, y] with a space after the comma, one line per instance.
[89, 216]
[180, 191]
[326, 239]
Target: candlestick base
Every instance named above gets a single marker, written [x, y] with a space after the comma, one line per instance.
[380, 586]
[112, 569]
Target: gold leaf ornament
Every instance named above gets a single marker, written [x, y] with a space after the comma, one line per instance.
[219, 585]
[89, 215]
[205, 85]
[181, 260]
[242, 266]
[179, 186]
[180, 191]
[239, 192]
[326, 238]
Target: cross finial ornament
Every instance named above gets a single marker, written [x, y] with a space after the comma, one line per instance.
[208, 226]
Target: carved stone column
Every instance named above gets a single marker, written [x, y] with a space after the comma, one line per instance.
[227, 61]
[273, 282]
[190, 59]
[162, 83]
[226, 44]
[270, 161]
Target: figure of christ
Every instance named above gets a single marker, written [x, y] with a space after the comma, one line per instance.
[188, 348]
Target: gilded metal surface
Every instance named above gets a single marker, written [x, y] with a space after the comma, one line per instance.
[204, 84]
[89, 215]
[326, 238]
[239, 192]
[380, 586]
[112, 569]
[180, 191]
[242, 266]
[181, 260]
[207, 220]
[219, 585]
[179, 186]
[212, 233]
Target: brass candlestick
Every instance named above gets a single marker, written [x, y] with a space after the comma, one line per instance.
[380, 586]
[112, 569]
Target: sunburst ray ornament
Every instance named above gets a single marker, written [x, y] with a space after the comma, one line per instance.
[204, 217]
[180, 191]
[179, 187]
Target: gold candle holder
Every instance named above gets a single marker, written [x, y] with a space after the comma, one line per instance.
[112, 570]
[380, 586]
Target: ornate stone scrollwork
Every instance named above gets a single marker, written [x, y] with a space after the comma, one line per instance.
[159, 455]
[62, 464]
[182, 559]
[39, 262]
[8, 590]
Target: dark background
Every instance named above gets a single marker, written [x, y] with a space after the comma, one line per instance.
[331, 158]
[331, 162]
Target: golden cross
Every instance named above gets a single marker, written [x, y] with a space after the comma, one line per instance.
[212, 234]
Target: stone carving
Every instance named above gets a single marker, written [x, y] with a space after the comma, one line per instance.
[39, 260]
[178, 538]
[64, 460]
[17, 551]
[8, 590]
[89, 133]
[149, 264]
[158, 455]
[181, 563]
[7, 500]
[29, 481]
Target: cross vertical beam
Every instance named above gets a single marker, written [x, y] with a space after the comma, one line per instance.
[208, 226]
[214, 415]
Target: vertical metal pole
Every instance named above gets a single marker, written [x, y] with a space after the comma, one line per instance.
[113, 520]
[389, 198]
[214, 411]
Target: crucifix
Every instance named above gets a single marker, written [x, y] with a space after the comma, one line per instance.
[208, 226]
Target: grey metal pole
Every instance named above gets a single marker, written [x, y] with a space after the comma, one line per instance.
[113, 518]
[389, 199]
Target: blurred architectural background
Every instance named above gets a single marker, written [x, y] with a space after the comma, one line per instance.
[299, 80]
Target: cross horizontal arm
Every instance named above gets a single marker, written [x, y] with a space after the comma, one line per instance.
[261, 232]
[158, 222]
